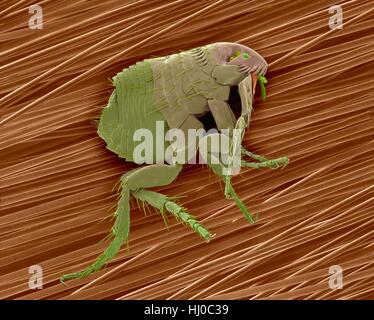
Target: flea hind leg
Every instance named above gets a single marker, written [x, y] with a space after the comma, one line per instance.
[162, 203]
[144, 177]
[120, 234]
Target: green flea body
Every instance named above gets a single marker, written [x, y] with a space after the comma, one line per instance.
[177, 90]
[130, 108]
[174, 89]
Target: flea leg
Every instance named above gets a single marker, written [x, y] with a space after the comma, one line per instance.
[222, 114]
[215, 162]
[253, 155]
[120, 233]
[162, 203]
[264, 162]
[271, 164]
[230, 193]
[144, 177]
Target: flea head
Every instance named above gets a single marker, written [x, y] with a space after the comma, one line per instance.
[239, 61]
[248, 60]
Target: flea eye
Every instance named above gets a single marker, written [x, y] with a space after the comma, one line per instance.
[245, 56]
[235, 55]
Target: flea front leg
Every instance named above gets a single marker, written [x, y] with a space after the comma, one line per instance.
[263, 161]
[253, 155]
[222, 114]
[271, 164]
[219, 170]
